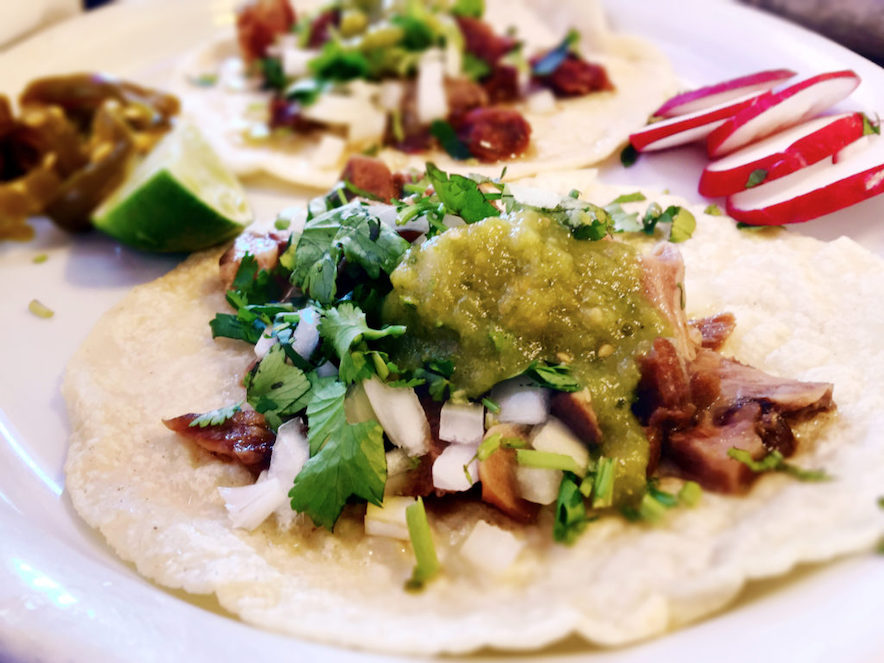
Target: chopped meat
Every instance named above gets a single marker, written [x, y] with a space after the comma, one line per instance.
[259, 22]
[664, 380]
[463, 96]
[502, 84]
[266, 249]
[320, 28]
[492, 134]
[244, 437]
[576, 412]
[715, 329]
[701, 453]
[498, 476]
[663, 283]
[410, 135]
[371, 175]
[481, 41]
[575, 77]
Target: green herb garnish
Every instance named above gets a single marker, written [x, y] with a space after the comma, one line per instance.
[554, 58]
[276, 388]
[756, 177]
[775, 462]
[628, 155]
[460, 195]
[427, 563]
[553, 376]
[548, 460]
[713, 210]
[216, 417]
[571, 518]
[447, 137]
[40, 310]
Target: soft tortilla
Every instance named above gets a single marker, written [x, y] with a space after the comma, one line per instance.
[804, 309]
[578, 132]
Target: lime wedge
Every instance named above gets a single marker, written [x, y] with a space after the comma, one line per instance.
[180, 198]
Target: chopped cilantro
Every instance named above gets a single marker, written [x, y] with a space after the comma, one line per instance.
[775, 462]
[690, 493]
[553, 376]
[275, 388]
[335, 63]
[215, 417]
[325, 411]
[227, 325]
[427, 563]
[40, 309]
[683, 226]
[750, 226]
[305, 91]
[585, 220]
[282, 224]
[756, 177]
[272, 72]
[474, 68]
[203, 80]
[554, 58]
[870, 127]
[490, 405]
[651, 509]
[881, 502]
[417, 35]
[346, 329]
[634, 197]
[603, 485]
[713, 210]
[460, 195]
[628, 156]
[571, 518]
[471, 8]
[488, 446]
[435, 374]
[253, 285]
[40, 258]
[351, 463]
[447, 137]
[623, 221]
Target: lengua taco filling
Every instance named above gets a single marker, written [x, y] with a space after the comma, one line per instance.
[463, 83]
[493, 341]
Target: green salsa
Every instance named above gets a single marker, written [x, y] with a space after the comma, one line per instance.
[495, 296]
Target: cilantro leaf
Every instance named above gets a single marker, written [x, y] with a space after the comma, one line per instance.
[571, 518]
[870, 127]
[628, 156]
[460, 195]
[351, 463]
[272, 73]
[634, 197]
[325, 411]
[756, 177]
[417, 34]
[215, 417]
[305, 91]
[335, 63]
[445, 134]
[474, 68]
[554, 58]
[622, 221]
[553, 376]
[346, 329]
[426, 562]
[252, 285]
[713, 210]
[683, 222]
[275, 388]
[775, 462]
[228, 325]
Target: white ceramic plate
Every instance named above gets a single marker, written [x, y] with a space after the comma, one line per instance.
[65, 597]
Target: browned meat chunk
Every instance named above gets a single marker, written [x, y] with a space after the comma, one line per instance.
[244, 437]
[576, 412]
[371, 175]
[715, 329]
[463, 96]
[320, 29]
[492, 134]
[265, 248]
[502, 84]
[663, 282]
[481, 41]
[259, 22]
[500, 488]
[575, 77]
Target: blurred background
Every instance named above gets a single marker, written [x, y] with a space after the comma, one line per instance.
[857, 24]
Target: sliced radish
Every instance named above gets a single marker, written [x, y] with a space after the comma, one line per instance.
[773, 112]
[688, 128]
[713, 95]
[825, 187]
[781, 154]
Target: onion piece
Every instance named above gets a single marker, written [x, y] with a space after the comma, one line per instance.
[532, 196]
[388, 519]
[249, 506]
[555, 437]
[490, 548]
[521, 402]
[432, 102]
[401, 415]
[538, 484]
[448, 468]
[463, 423]
[305, 338]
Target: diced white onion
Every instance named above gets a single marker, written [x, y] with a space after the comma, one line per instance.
[490, 548]
[291, 451]
[448, 468]
[389, 518]
[390, 96]
[528, 195]
[295, 61]
[387, 215]
[463, 423]
[398, 462]
[521, 402]
[452, 221]
[401, 415]
[538, 484]
[368, 127]
[262, 347]
[432, 102]
[542, 102]
[453, 60]
[334, 109]
[329, 151]
[305, 338]
[557, 438]
[249, 506]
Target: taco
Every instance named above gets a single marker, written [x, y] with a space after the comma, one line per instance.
[623, 550]
[531, 84]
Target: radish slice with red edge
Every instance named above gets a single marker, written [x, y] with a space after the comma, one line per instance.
[720, 93]
[781, 110]
[687, 128]
[780, 154]
[854, 175]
